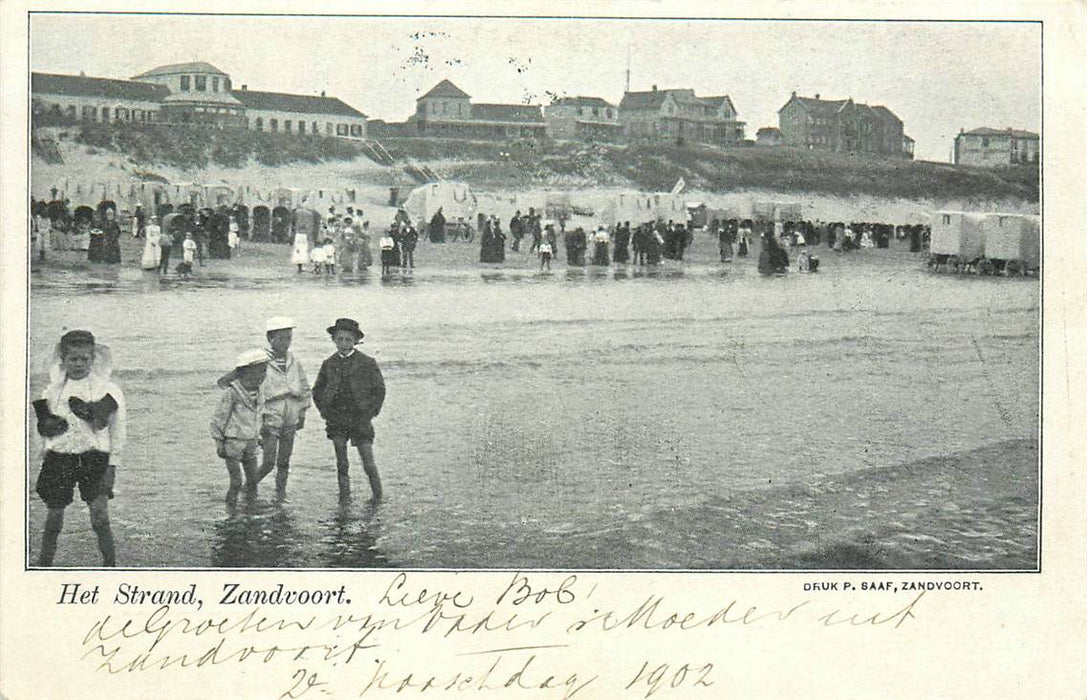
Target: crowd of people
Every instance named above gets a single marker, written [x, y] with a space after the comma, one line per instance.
[341, 242]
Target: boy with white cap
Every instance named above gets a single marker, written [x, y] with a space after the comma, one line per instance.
[237, 421]
[286, 398]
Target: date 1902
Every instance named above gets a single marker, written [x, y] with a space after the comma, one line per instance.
[668, 677]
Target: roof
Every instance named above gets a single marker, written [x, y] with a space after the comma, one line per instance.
[174, 68]
[220, 98]
[651, 99]
[716, 101]
[885, 114]
[581, 101]
[529, 114]
[301, 104]
[444, 89]
[825, 107]
[986, 131]
[54, 84]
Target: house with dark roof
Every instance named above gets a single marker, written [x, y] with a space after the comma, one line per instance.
[844, 126]
[192, 93]
[680, 116]
[78, 97]
[300, 114]
[583, 118]
[446, 110]
[989, 147]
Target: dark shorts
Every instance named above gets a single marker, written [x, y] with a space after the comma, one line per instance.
[359, 431]
[61, 472]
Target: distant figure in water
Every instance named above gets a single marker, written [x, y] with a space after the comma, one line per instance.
[773, 259]
[236, 424]
[349, 393]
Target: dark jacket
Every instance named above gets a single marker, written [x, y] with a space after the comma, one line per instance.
[367, 384]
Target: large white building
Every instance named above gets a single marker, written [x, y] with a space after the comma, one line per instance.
[191, 93]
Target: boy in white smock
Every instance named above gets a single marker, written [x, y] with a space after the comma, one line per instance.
[82, 422]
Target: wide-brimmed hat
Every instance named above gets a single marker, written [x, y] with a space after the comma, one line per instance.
[346, 324]
[247, 358]
[278, 323]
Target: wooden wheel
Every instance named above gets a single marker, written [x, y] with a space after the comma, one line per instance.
[985, 267]
[1014, 268]
[954, 263]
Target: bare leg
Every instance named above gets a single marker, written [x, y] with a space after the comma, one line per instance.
[234, 469]
[269, 448]
[54, 523]
[283, 460]
[249, 464]
[366, 452]
[342, 464]
[99, 508]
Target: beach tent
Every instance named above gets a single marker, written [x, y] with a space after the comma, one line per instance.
[281, 224]
[262, 223]
[456, 200]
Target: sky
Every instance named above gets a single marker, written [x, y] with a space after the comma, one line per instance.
[938, 77]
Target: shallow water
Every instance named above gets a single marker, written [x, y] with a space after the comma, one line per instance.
[532, 417]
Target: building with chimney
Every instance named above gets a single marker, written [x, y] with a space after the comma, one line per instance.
[988, 147]
[844, 126]
[191, 93]
[447, 111]
[679, 116]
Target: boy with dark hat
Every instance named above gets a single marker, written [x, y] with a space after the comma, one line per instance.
[349, 393]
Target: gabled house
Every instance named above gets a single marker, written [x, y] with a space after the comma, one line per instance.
[844, 126]
[679, 116]
[446, 110]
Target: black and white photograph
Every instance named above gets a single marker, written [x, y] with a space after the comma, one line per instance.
[577, 293]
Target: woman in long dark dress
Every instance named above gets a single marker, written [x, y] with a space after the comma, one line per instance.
[111, 235]
[621, 252]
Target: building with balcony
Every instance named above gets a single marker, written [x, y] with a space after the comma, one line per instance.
[679, 116]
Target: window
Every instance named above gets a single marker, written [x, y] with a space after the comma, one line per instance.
[260, 123]
[301, 126]
[287, 125]
[184, 83]
[985, 142]
[215, 84]
[273, 125]
[201, 83]
[226, 84]
[88, 113]
[105, 114]
[356, 130]
[341, 130]
[947, 218]
[314, 128]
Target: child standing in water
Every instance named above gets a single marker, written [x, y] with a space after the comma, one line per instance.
[286, 398]
[349, 393]
[237, 421]
[81, 418]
